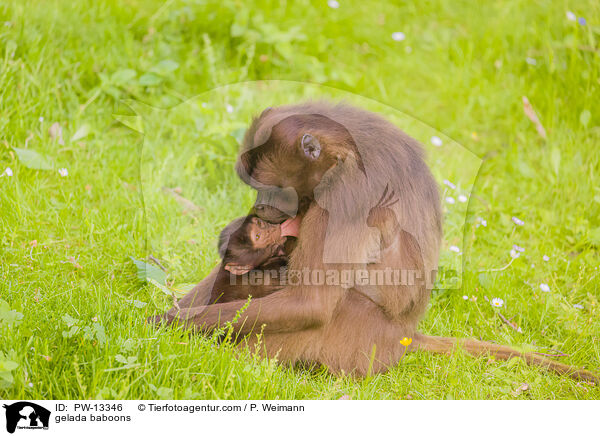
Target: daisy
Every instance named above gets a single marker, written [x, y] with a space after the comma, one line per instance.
[465, 297]
[514, 253]
[454, 248]
[517, 221]
[578, 306]
[519, 249]
[531, 61]
[462, 198]
[7, 172]
[63, 172]
[449, 184]
[229, 108]
[546, 258]
[333, 4]
[497, 302]
[571, 16]
[437, 141]
[398, 36]
[544, 287]
[450, 200]
[41, 119]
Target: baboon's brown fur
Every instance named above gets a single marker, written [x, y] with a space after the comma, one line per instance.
[338, 160]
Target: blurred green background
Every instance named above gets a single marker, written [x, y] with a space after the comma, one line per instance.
[71, 305]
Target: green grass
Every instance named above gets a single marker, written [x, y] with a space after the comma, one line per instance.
[460, 74]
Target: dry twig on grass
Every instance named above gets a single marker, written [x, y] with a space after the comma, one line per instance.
[188, 205]
[509, 323]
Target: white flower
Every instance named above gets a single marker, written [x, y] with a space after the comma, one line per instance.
[41, 119]
[514, 253]
[517, 221]
[578, 306]
[333, 4]
[519, 249]
[7, 172]
[465, 297]
[449, 184]
[30, 385]
[497, 302]
[484, 223]
[229, 108]
[437, 141]
[450, 200]
[544, 287]
[531, 61]
[398, 36]
[462, 198]
[454, 248]
[546, 258]
[63, 172]
[571, 16]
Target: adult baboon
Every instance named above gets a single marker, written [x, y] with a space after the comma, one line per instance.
[331, 167]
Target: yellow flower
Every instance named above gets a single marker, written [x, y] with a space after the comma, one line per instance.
[406, 341]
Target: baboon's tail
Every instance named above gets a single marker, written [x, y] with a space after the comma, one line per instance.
[442, 345]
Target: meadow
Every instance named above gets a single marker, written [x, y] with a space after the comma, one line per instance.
[119, 128]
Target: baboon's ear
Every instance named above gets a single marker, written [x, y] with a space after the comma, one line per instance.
[311, 147]
[237, 269]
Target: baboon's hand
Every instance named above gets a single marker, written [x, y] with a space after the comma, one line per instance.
[382, 212]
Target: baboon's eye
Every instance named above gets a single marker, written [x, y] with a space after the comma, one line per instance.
[257, 237]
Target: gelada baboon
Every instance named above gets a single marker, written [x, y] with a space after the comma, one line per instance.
[248, 246]
[249, 242]
[362, 201]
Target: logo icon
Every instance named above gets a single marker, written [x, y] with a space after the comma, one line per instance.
[26, 415]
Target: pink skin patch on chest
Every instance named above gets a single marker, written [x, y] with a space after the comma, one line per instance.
[291, 227]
